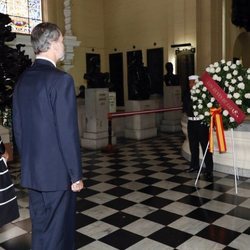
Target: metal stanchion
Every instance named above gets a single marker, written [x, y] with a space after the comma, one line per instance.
[109, 148]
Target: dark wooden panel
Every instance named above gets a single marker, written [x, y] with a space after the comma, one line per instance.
[116, 76]
[155, 69]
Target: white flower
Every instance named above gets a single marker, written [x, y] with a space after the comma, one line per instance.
[216, 64]
[247, 96]
[229, 96]
[225, 112]
[209, 105]
[212, 99]
[226, 84]
[200, 106]
[192, 91]
[197, 91]
[201, 117]
[215, 77]
[248, 71]
[203, 96]
[218, 70]
[225, 68]
[194, 98]
[222, 61]
[195, 113]
[233, 66]
[208, 69]
[248, 77]
[199, 101]
[228, 76]
[204, 89]
[240, 78]
[248, 110]
[238, 62]
[231, 89]
[238, 102]
[231, 119]
[229, 63]
[241, 85]
[207, 113]
[218, 78]
[236, 95]
[199, 83]
[235, 72]
[194, 106]
[212, 70]
[233, 81]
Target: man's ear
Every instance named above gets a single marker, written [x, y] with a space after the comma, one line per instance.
[53, 45]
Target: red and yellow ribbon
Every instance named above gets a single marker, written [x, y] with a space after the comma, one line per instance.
[216, 122]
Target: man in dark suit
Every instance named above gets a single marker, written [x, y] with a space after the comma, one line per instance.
[46, 134]
[198, 134]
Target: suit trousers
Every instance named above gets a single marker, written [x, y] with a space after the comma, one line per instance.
[53, 219]
[198, 134]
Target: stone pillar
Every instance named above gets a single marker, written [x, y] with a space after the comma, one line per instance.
[96, 126]
[140, 126]
[70, 41]
[172, 98]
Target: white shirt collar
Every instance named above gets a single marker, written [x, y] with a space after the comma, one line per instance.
[45, 58]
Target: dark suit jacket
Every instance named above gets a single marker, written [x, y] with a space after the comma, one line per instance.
[45, 128]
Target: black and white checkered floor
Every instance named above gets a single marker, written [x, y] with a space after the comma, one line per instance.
[142, 198]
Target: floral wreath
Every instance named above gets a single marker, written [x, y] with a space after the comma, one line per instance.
[234, 80]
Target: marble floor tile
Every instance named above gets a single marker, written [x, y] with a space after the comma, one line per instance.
[10, 231]
[136, 196]
[148, 244]
[197, 243]
[173, 195]
[218, 206]
[233, 223]
[101, 198]
[179, 208]
[241, 242]
[142, 198]
[96, 245]
[188, 225]
[99, 212]
[143, 227]
[139, 210]
[97, 229]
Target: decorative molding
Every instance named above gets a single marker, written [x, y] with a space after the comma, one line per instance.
[70, 41]
[67, 17]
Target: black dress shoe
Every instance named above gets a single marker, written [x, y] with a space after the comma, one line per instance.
[190, 170]
[209, 176]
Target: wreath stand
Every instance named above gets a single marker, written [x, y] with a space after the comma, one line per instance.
[236, 172]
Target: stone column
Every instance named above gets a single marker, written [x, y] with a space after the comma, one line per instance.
[70, 41]
[141, 126]
[96, 133]
[67, 17]
[172, 120]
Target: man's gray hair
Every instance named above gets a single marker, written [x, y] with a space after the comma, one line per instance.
[42, 35]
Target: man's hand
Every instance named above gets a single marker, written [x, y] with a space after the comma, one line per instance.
[77, 186]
